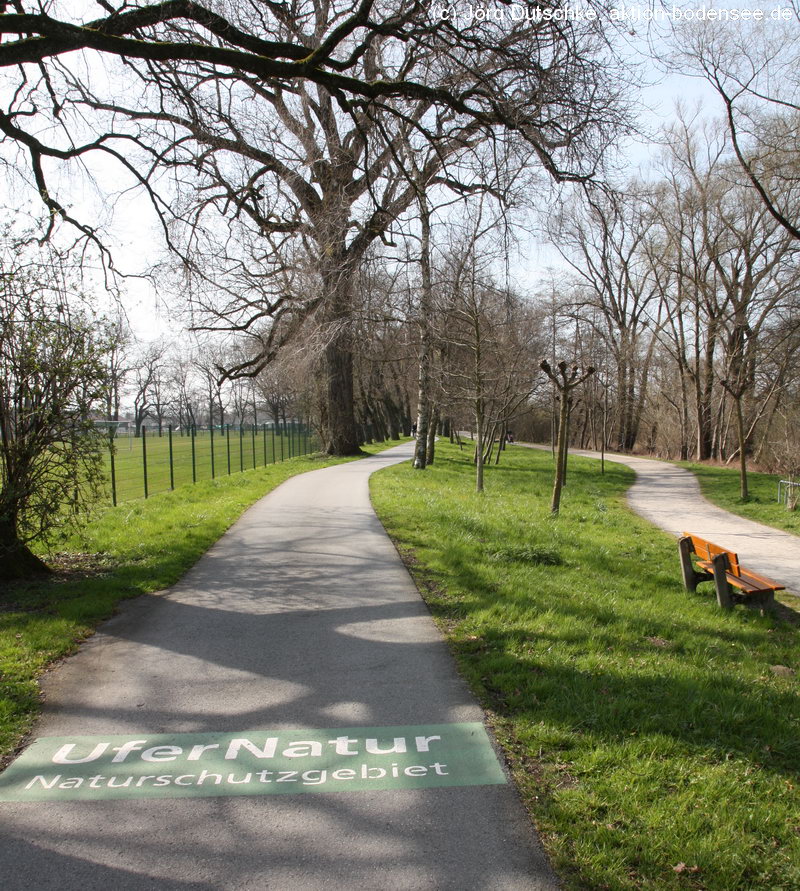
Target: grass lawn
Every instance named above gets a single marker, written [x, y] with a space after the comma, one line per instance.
[721, 486]
[133, 549]
[655, 738]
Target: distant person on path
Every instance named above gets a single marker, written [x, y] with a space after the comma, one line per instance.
[414, 429]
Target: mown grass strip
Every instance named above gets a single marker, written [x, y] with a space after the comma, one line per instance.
[720, 485]
[655, 738]
[136, 548]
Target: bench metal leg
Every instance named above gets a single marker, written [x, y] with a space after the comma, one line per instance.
[724, 598]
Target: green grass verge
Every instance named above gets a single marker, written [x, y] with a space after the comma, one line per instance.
[652, 741]
[136, 548]
[720, 485]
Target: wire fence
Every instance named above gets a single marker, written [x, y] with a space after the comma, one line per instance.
[140, 466]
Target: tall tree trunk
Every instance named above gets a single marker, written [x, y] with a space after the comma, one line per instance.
[342, 434]
[704, 383]
[432, 430]
[561, 451]
[503, 440]
[489, 440]
[742, 437]
[684, 416]
[623, 408]
[565, 444]
[479, 444]
[339, 422]
[425, 335]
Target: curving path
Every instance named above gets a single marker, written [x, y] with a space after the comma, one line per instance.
[301, 616]
[669, 497]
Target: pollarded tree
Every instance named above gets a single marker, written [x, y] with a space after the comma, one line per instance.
[53, 377]
[565, 380]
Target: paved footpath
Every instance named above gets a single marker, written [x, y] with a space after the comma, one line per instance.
[300, 619]
[669, 496]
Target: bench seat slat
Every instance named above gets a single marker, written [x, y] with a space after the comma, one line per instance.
[747, 581]
[760, 582]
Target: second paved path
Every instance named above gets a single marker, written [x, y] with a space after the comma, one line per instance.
[669, 497]
[301, 616]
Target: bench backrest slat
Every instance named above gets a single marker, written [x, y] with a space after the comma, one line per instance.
[707, 550]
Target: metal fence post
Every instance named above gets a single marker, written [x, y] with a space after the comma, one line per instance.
[228, 445]
[211, 429]
[273, 442]
[194, 457]
[144, 457]
[113, 466]
[264, 431]
[253, 432]
[171, 461]
[241, 448]
[281, 436]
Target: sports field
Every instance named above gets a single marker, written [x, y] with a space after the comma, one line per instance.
[141, 466]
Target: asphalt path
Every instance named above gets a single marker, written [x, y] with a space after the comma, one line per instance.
[301, 616]
[669, 497]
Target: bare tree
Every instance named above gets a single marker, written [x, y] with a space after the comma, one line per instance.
[425, 322]
[207, 361]
[754, 70]
[751, 261]
[556, 101]
[487, 335]
[291, 120]
[148, 389]
[692, 295]
[383, 360]
[605, 241]
[184, 385]
[120, 338]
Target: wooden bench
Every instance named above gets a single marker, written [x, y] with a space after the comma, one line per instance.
[721, 566]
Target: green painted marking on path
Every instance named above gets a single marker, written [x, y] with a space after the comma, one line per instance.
[256, 762]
